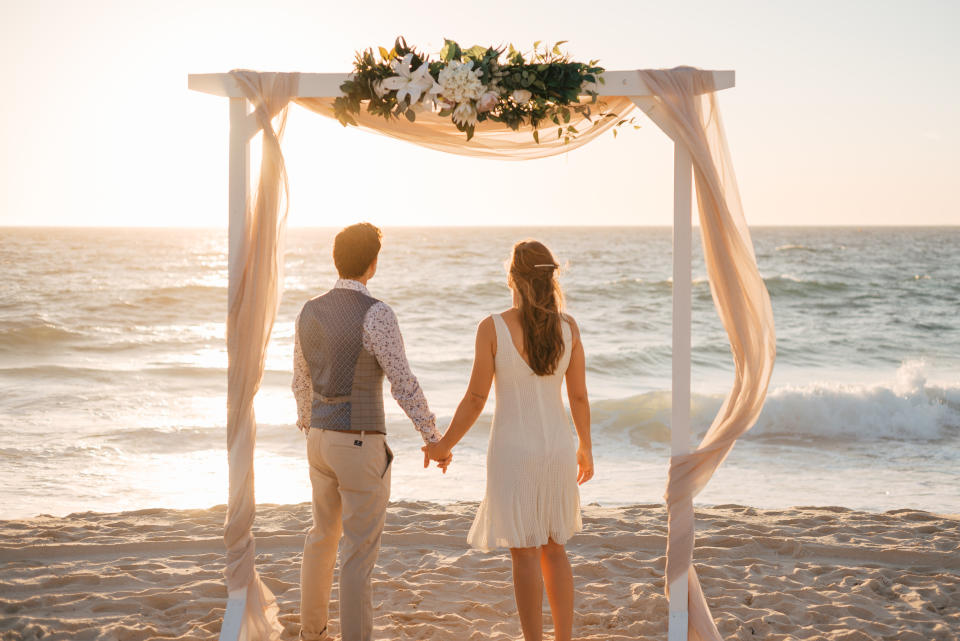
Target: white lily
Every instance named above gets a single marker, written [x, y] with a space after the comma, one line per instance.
[409, 83]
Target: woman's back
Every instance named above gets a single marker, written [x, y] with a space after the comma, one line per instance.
[529, 414]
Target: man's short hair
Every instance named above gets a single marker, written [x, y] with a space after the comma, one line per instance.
[355, 248]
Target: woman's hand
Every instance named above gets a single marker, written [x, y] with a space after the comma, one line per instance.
[437, 452]
[584, 465]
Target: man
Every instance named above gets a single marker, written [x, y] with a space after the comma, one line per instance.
[345, 341]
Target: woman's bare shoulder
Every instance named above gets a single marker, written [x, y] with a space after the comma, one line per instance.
[573, 325]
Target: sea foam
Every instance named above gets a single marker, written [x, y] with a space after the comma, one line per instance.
[908, 408]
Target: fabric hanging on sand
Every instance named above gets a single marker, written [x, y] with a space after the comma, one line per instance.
[684, 105]
[252, 311]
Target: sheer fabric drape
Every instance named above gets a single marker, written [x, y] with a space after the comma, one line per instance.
[686, 108]
[252, 309]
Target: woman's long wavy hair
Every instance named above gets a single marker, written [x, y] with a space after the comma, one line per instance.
[533, 275]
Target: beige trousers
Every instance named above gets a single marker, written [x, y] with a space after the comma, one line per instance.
[350, 474]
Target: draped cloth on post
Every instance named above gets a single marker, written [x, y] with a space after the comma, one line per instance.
[252, 309]
[686, 108]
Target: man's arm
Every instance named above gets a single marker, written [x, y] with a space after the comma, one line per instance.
[381, 337]
[302, 385]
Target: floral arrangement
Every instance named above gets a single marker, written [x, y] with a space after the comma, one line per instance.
[474, 85]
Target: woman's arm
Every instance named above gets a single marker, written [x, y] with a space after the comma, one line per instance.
[576, 378]
[475, 398]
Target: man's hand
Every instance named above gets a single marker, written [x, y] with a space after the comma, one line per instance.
[439, 453]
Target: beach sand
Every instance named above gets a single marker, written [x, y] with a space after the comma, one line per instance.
[799, 573]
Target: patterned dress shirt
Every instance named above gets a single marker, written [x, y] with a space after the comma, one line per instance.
[381, 337]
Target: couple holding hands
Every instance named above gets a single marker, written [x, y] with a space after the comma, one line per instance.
[347, 341]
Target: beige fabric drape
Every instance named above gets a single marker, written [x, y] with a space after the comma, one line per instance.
[491, 139]
[252, 311]
[685, 108]
[688, 109]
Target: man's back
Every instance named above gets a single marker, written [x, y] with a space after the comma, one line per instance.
[347, 379]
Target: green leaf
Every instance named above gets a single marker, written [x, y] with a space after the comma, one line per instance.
[537, 43]
[476, 52]
[542, 67]
[615, 133]
[536, 136]
[559, 131]
[572, 129]
[469, 133]
[384, 54]
[450, 51]
[566, 115]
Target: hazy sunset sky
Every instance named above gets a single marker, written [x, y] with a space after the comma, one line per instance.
[844, 112]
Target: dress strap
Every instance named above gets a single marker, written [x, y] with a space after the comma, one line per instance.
[500, 327]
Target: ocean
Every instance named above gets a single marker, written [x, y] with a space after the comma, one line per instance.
[113, 364]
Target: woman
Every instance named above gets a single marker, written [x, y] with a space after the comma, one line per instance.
[532, 502]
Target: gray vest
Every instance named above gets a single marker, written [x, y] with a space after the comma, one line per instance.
[347, 379]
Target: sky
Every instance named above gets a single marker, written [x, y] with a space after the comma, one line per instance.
[845, 112]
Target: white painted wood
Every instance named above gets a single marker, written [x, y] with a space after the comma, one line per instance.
[327, 85]
[233, 617]
[239, 194]
[239, 191]
[682, 301]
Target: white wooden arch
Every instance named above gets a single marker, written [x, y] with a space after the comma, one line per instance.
[616, 83]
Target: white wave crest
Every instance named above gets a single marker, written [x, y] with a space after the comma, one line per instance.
[907, 409]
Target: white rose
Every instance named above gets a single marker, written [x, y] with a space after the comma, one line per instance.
[487, 101]
[521, 95]
[465, 114]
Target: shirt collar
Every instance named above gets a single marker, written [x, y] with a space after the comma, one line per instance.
[355, 285]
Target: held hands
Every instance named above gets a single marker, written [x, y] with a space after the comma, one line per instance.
[439, 453]
[584, 465]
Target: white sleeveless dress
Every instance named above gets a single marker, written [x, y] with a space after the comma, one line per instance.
[532, 493]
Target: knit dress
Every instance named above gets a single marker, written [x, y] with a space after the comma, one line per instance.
[532, 492]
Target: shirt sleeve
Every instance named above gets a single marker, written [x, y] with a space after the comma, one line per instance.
[381, 337]
[302, 385]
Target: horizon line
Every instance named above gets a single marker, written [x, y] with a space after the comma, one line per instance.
[519, 226]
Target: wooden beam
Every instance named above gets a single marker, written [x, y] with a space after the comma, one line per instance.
[327, 85]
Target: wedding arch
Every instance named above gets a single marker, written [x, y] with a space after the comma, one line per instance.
[682, 102]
